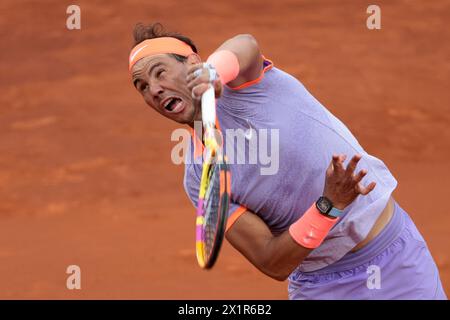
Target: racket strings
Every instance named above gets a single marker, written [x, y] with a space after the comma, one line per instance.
[211, 208]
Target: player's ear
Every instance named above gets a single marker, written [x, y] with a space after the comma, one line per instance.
[193, 58]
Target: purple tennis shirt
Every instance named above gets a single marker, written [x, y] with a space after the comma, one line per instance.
[279, 141]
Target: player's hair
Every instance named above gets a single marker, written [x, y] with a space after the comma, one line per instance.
[143, 32]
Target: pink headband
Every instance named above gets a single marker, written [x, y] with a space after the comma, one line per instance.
[154, 46]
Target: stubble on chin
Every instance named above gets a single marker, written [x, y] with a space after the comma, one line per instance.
[195, 116]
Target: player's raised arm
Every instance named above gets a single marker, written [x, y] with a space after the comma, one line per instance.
[237, 61]
[247, 52]
[279, 256]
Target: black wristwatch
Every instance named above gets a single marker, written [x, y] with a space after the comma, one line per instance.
[325, 207]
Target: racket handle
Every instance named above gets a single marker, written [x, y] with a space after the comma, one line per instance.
[209, 108]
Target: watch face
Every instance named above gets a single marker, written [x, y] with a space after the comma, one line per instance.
[324, 205]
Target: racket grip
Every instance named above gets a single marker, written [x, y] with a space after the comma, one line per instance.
[209, 108]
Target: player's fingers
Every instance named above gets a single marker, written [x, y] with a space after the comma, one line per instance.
[365, 190]
[217, 88]
[192, 69]
[198, 90]
[196, 74]
[353, 163]
[203, 71]
[357, 178]
[203, 78]
[338, 163]
[329, 170]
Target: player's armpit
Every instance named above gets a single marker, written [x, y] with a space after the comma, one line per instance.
[276, 256]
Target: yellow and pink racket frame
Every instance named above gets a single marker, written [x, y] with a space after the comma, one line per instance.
[213, 150]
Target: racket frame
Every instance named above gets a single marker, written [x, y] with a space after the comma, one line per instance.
[213, 151]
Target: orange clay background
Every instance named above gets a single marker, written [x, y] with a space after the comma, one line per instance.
[85, 171]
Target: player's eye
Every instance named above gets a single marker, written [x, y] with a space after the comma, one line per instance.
[159, 73]
[143, 87]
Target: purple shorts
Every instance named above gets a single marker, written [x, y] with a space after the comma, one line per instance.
[395, 265]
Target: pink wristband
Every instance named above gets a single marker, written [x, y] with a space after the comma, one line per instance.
[311, 229]
[226, 64]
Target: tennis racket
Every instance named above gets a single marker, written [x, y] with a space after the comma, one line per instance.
[214, 191]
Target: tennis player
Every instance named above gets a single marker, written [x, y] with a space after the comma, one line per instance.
[317, 223]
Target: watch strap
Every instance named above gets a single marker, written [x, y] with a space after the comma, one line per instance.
[335, 213]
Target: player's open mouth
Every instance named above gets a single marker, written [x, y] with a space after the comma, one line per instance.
[173, 105]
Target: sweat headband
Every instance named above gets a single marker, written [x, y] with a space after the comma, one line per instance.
[161, 45]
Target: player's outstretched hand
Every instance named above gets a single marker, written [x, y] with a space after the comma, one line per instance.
[342, 185]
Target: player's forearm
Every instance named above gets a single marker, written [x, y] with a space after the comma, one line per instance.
[275, 256]
[282, 255]
[278, 256]
[307, 233]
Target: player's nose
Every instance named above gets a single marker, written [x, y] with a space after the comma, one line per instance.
[156, 92]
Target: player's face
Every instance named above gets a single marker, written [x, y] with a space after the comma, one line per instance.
[161, 80]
